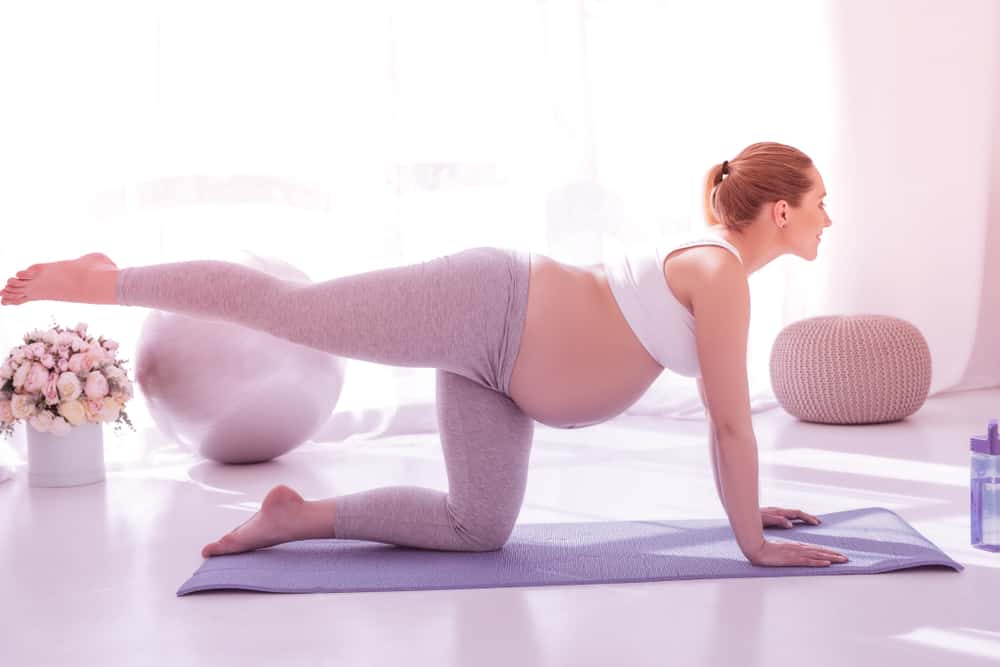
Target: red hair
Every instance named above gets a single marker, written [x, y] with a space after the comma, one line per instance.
[761, 173]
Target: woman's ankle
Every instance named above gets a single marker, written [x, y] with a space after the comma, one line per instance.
[317, 519]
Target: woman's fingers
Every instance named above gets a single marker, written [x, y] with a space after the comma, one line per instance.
[806, 517]
[799, 514]
[823, 554]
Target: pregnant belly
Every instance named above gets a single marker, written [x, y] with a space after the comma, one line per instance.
[579, 362]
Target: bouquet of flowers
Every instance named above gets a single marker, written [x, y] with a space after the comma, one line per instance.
[61, 378]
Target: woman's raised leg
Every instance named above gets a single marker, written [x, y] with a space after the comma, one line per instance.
[451, 312]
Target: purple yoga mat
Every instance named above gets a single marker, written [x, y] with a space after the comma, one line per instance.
[552, 554]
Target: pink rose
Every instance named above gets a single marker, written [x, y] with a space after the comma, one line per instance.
[48, 361]
[110, 345]
[97, 385]
[50, 391]
[92, 410]
[78, 363]
[21, 374]
[6, 414]
[63, 365]
[37, 377]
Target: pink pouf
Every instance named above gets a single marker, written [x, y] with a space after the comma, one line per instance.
[851, 369]
[230, 393]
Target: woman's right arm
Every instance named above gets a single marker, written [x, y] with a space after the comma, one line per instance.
[721, 305]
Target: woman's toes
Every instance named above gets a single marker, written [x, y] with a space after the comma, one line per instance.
[213, 549]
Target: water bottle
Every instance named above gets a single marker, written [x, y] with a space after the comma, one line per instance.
[985, 486]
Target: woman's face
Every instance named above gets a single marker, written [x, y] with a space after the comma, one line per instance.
[807, 221]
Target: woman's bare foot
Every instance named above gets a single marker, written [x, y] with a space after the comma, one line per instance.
[283, 517]
[87, 279]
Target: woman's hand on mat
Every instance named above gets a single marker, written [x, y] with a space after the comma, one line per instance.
[782, 518]
[794, 554]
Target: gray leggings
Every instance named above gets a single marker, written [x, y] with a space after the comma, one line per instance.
[462, 314]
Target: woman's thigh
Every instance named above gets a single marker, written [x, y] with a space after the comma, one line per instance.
[486, 441]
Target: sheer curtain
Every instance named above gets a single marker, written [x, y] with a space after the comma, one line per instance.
[345, 137]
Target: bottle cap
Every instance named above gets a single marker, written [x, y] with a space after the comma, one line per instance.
[988, 445]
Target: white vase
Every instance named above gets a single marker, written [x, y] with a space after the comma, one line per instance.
[73, 459]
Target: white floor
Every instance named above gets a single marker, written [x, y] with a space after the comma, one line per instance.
[88, 575]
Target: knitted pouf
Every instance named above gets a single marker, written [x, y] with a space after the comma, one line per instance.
[851, 369]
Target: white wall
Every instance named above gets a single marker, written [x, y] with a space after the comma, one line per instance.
[913, 177]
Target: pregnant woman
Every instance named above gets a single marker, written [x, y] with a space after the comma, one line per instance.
[516, 338]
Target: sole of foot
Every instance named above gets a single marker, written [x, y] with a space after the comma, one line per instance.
[86, 279]
[277, 521]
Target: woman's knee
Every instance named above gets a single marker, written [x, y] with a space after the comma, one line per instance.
[488, 542]
[483, 534]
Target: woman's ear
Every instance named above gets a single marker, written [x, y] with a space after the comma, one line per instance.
[779, 212]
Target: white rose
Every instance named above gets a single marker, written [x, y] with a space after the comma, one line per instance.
[22, 405]
[69, 386]
[109, 412]
[6, 371]
[42, 421]
[73, 411]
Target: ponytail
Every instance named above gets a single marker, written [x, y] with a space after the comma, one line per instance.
[712, 179]
[761, 173]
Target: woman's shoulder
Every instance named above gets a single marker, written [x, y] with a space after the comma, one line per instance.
[694, 265]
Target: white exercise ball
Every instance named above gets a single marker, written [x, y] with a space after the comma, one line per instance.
[231, 393]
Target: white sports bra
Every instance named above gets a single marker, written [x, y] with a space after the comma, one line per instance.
[661, 322]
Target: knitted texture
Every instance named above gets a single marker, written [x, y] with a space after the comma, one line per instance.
[851, 369]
